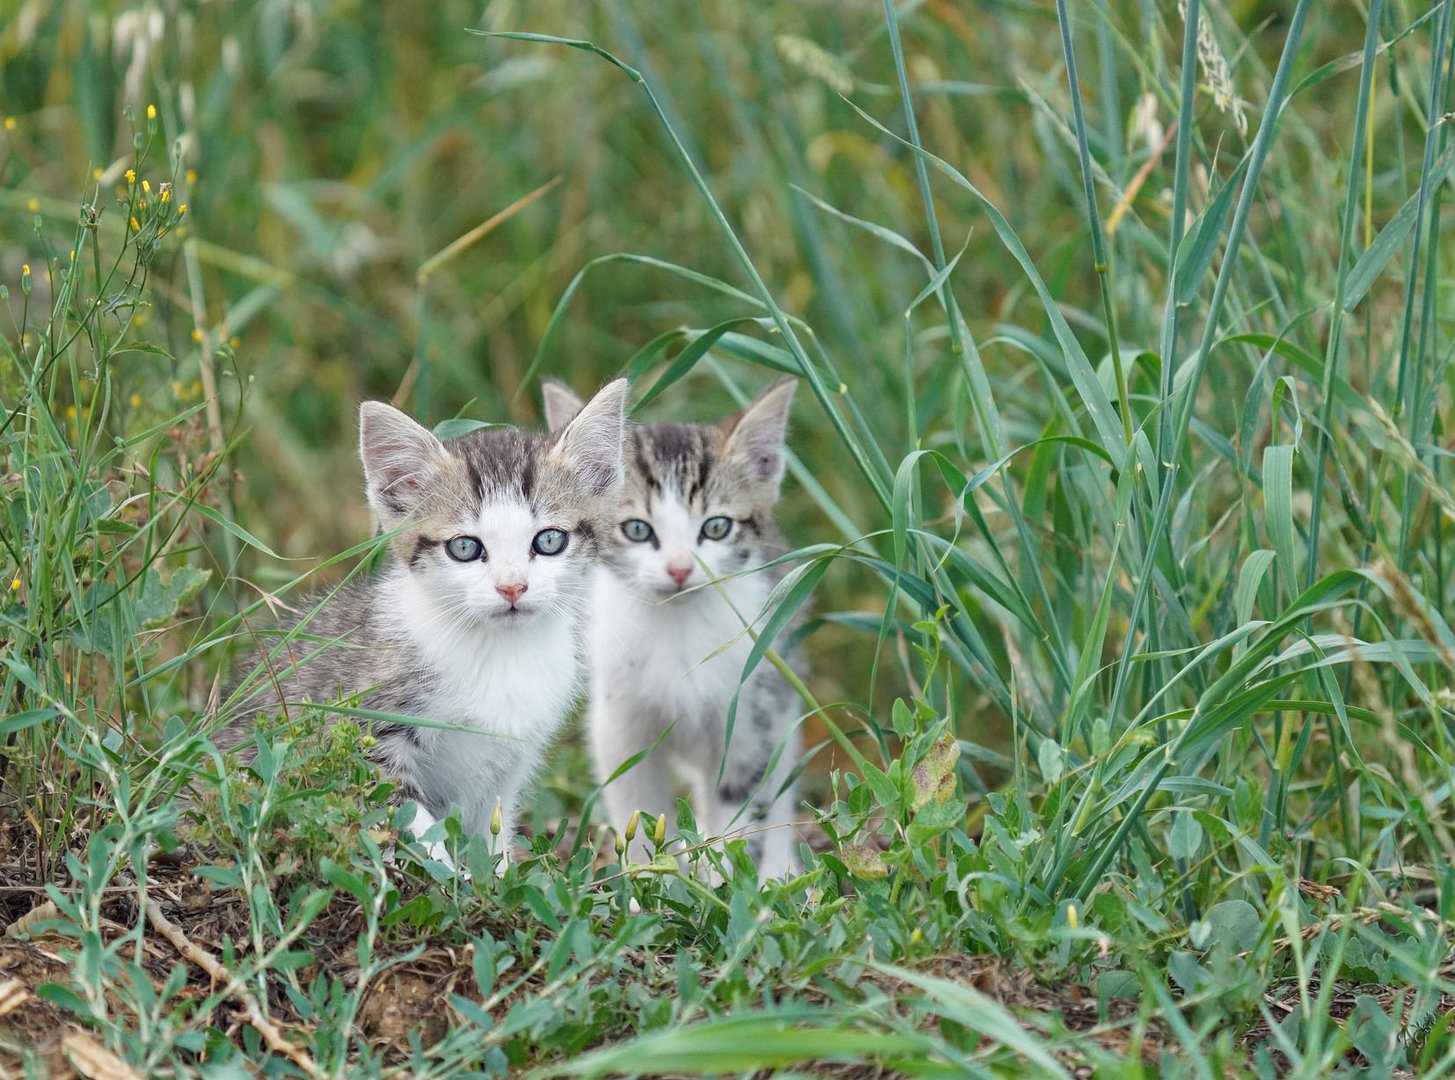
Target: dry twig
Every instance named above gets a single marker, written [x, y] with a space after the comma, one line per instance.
[232, 987]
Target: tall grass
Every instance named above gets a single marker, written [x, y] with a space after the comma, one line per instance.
[1120, 485]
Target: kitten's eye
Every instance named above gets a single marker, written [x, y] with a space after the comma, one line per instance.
[717, 528]
[637, 530]
[549, 542]
[464, 549]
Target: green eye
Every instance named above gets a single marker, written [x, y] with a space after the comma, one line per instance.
[464, 549]
[717, 528]
[637, 531]
[549, 542]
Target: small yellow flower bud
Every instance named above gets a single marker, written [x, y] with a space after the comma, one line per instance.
[631, 825]
[620, 845]
[916, 936]
[96, 174]
[1073, 918]
[659, 830]
[33, 205]
[181, 209]
[165, 190]
[15, 582]
[197, 336]
[24, 283]
[146, 185]
[135, 400]
[135, 225]
[131, 176]
[10, 123]
[151, 112]
[234, 342]
[73, 255]
[191, 176]
[497, 821]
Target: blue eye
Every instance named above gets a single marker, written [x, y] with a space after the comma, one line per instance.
[637, 530]
[717, 528]
[464, 549]
[549, 542]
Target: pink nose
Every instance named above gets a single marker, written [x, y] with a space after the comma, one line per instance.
[512, 593]
[679, 573]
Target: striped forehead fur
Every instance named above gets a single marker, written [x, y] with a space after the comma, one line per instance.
[502, 465]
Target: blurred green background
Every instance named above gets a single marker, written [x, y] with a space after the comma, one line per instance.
[329, 149]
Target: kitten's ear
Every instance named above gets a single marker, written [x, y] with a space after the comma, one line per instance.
[561, 403]
[590, 444]
[755, 435]
[398, 456]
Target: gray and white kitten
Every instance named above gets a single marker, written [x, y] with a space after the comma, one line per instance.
[476, 618]
[667, 642]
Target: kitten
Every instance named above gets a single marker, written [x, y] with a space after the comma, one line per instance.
[667, 642]
[476, 617]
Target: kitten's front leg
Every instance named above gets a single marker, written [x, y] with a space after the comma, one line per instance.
[618, 733]
[750, 798]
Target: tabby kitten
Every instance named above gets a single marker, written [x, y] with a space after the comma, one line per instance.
[476, 618]
[667, 642]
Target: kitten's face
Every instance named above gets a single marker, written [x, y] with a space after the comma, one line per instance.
[698, 500]
[499, 526]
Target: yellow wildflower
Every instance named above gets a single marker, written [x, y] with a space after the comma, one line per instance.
[146, 185]
[95, 174]
[15, 582]
[135, 401]
[165, 191]
[33, 205]
[151, 112]
[181, 209]
[10, 123]
[196, 335]
[135, 225]
[131, 176]
[191, 176]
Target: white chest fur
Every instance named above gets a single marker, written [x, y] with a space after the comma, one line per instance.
[682, 657]
[512, 685]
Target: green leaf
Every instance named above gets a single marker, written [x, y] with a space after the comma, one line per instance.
[24, 720]
[979, 1013]
[453, 428]
[741, 1044]
[1185, 836]
[1376, 256]
[1233, 924]
[1200, 243]
[236, 530]
[1048, 756]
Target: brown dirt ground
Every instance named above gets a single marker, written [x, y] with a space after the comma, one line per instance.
[407, 998]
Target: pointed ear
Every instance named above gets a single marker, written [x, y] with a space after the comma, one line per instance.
[590, 444]
[561, 404]
[399, 455]
[755, 435]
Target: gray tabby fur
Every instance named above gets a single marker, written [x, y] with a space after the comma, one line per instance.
[667, 643]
